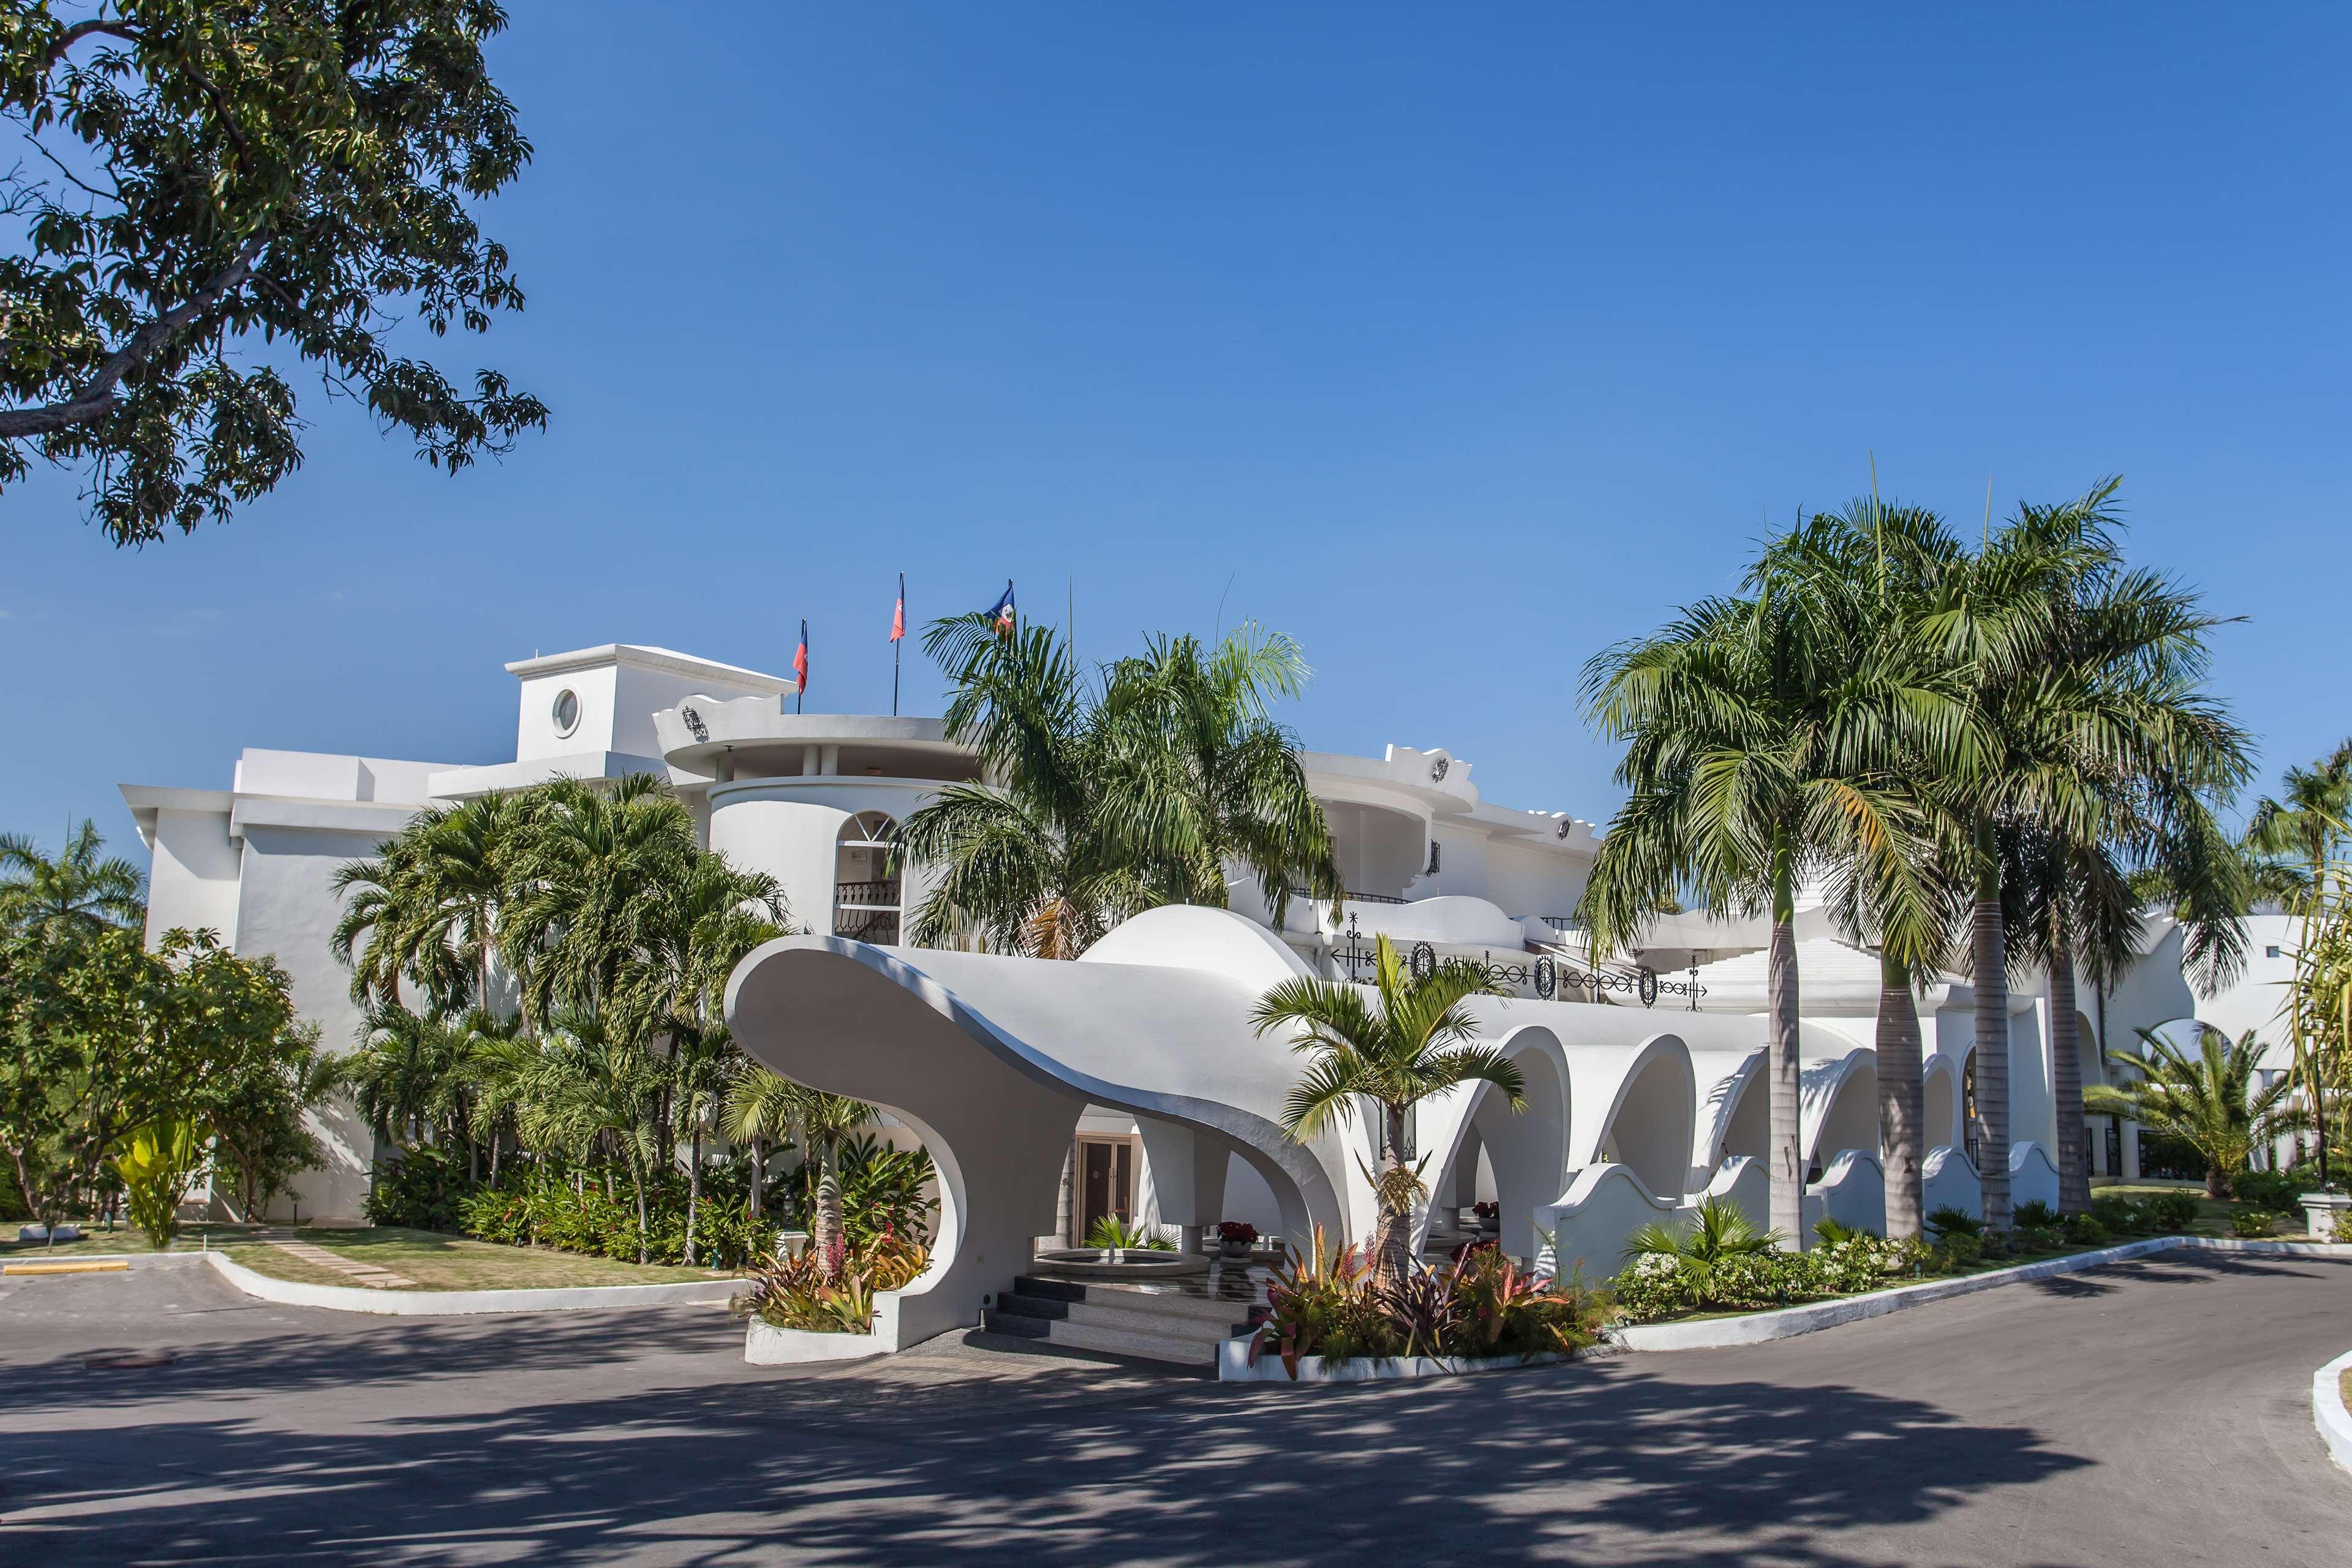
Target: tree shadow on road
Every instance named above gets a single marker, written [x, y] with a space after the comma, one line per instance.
[1598, 1460]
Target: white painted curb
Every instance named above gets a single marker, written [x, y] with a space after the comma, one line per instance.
[1232, 1365]
[467, 1303]
[2327, 1412]
[764, 1344]
[1756, 1327]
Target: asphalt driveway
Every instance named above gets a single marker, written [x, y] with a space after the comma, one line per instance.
[2150, 1413]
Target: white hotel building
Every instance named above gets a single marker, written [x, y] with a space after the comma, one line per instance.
[1642, 1101]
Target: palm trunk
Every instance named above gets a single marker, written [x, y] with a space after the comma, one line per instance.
[828, 1240]
[1788, 1165]
[2312, 1085]
[636, 1178]
[2066, 1083]
[1900, 1111]
[1392, 1232]
[693, 1191]
[1990, 961]
[759, 1171]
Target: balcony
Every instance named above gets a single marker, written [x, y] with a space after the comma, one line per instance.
[866, 895]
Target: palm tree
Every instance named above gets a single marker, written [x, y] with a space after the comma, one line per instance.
[757, 1109]
[429, 904]
[1408, 1039]
[2085, 679]
[593, 1090]
[2074, 905]
[407, 1079]
[1719, 1232]
[820, 1121]
[2209, 1100]
[1096, 806]
[1864, 571]
[2294, 838]
[74, 890]
[588, 889]
[1768, 739]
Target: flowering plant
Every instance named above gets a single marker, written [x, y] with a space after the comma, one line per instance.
[1238, 1230]
[1487, 1211]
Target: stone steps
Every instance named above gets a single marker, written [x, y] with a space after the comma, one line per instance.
[1119, 1318]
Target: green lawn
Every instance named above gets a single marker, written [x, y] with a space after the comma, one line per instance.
[434, 1261]
[2212, 1218]
[438, 1262]
[124, 1238]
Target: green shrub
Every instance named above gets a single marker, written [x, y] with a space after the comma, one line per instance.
[2275, 1190]
[2172, 1210]
[1958, 1249]
[2086, 1230]
[2038, 1237]
[2120, 1214]
[1950, 1221]
[420, 1190]
[2035, 1216]
[2253, 1223]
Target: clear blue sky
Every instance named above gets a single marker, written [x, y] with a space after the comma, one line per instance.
[1459, 346]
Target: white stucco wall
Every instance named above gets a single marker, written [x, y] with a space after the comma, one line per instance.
[192, 881]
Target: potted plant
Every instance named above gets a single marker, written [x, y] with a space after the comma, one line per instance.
[1490, 1218]
[1235, 1238]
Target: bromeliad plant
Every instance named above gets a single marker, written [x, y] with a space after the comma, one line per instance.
[803, 1293]
[1326, 1303]
[1410, 1039]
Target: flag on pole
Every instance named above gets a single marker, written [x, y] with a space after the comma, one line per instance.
[799, 666]
[1003, 612]
[898, 636]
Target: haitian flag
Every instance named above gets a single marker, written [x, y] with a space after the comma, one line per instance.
[1003, 612]
[800, 660]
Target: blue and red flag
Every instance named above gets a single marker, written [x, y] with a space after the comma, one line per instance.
[800, 660]
[1003, 612]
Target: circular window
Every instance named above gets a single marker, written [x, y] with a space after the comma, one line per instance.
[566, 711]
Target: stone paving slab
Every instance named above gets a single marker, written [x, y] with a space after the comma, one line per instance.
[367, 1274]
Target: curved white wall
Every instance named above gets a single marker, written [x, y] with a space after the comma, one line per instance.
[791, 829]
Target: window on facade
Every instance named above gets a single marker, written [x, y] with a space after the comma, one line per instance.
[2271, 952]
[866, 889]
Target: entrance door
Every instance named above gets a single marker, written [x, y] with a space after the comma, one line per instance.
[1106, 1183]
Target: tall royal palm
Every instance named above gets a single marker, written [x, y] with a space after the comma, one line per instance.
[1765, 738]
[1861, 572]
[2085, 678]
[1407, 1040]
[78, 889]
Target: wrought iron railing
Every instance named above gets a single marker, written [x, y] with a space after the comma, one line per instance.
[878, 926]
[1353, 896]
[884, 895]
[1542, 973]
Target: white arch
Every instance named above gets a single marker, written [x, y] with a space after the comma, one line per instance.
[1732, 1117]
[1838, 1105]
[1939, 1101]
[1527, 1150]
[1635, 1106]
[992, 1060]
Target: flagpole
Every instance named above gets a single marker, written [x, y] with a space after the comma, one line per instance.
[898, 647]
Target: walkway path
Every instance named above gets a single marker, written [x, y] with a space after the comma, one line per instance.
[366, 1274]
[2154, 1412]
